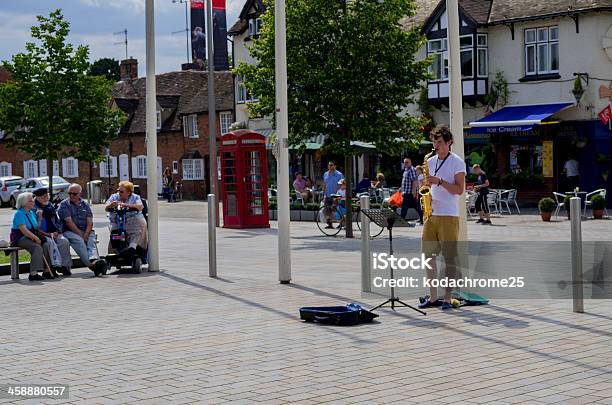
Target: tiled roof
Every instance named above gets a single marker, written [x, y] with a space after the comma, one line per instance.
[178, 93]
[497, 11]
[504, 10]
[242, 24]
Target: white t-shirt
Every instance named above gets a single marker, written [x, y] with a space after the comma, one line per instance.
[571, 168]
[444, 203]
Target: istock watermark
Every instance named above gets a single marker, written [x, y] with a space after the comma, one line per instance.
[383, 261]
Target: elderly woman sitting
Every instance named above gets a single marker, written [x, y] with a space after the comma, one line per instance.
[24, 235]
[135, 224]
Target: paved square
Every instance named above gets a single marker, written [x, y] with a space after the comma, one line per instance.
[179, 336]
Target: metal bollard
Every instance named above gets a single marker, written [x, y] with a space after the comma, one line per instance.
[212, 236]
[576, 218]
[366, 263]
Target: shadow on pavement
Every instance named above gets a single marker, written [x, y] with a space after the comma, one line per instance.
[260, 306]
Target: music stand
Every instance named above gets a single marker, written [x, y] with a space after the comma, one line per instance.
[387, 218]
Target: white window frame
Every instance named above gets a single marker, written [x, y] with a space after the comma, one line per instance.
[139, 167]
[190, 126]
[258, 24]
[30, 169]
[242, 93]
[112, 160]
[6, 169]
[482, 48]
[70, 168]
[158, 119]
[193, 169]
[225, 121]
[467, 49]
[542, 39]
[443, 54]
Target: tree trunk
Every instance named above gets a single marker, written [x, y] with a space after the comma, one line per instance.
[348, 174]
[50, 174]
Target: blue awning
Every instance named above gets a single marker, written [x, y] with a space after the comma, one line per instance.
[516, 118]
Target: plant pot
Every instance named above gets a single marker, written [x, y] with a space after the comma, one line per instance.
[546, 216]
[294, 215]
[272, 215]
[308, 215]
[568, 214]
[598, 214]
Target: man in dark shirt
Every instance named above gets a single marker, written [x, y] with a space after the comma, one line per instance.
[410, 190]
[51, 228]
[482, 188]
[77, 223]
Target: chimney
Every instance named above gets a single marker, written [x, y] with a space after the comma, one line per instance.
[128, 69]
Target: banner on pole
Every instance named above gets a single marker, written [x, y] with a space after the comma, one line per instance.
[198, 34]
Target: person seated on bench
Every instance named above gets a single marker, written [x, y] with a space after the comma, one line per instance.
[23, 235]
[49, 226]
[77, 226]
[135, 223]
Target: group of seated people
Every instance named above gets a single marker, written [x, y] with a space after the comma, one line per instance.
[48, 233]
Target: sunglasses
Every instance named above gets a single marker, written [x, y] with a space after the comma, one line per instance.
[70, 193]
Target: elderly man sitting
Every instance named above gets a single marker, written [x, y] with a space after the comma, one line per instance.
[77, 223]
[49, 226]
[135, 224]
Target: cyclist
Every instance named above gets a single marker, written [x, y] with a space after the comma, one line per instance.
[330, 187]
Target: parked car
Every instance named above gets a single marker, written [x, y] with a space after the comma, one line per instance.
[60, 187]
[7, 185]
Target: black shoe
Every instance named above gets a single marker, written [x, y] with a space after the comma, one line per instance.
[98, 267]
[487, 222]
[329, 226]
[48, 275]
[35, 277]
[480, 221]
[64, 271]
[55, 270]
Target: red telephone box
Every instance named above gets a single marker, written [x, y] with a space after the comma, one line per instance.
[244, 180]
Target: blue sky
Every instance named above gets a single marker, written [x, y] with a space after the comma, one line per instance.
[93, 23]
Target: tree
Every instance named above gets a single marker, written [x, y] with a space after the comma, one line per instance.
[50, 107]
[106, 67]
[351, 73]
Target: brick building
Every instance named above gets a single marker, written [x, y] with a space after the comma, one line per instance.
[182, 137]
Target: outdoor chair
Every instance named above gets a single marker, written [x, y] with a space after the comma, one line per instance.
[493, 201]
[508, 197]
[587, 200]
[560, 201]
[470, 203]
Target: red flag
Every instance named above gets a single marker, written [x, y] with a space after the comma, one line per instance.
[605, 115]
[197, 4]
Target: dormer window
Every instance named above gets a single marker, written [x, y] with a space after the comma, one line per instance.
[254, 26]
[158, 119]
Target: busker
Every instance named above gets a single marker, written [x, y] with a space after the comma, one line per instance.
[441, 230]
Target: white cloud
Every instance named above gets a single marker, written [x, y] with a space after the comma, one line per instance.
[15, 32]
[137, 6]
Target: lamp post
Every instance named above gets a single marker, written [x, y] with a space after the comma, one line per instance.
[212, 145]
[151, 138]
[282, 131]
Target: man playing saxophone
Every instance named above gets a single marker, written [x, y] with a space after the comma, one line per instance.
[446, 178]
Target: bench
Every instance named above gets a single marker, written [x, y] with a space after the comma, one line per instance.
[14, 254]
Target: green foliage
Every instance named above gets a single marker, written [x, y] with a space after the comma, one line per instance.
[296, 206]
[566, 202]
[499, 92]
[51, 108]
[106, 67]
[578, 84]
[598, 202]
[546, 204]
[312, 207]
[351, 72]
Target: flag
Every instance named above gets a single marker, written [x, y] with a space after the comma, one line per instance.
[605, 115]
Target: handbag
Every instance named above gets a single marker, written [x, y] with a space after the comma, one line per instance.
[35, 231]
[396, 199]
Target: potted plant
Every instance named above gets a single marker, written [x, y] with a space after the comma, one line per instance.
[598, 203]
[272, 209]
[546, 206]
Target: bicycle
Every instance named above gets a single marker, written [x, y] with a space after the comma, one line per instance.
[331, 225]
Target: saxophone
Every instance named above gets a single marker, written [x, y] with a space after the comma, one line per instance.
[425, 190]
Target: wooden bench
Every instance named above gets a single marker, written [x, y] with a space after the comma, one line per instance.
[14, 254]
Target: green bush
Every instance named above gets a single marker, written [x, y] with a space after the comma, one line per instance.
[312, 207]
[546, 204]
[296, 206]
[522, 180]
[272, 205]
[598, 202]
